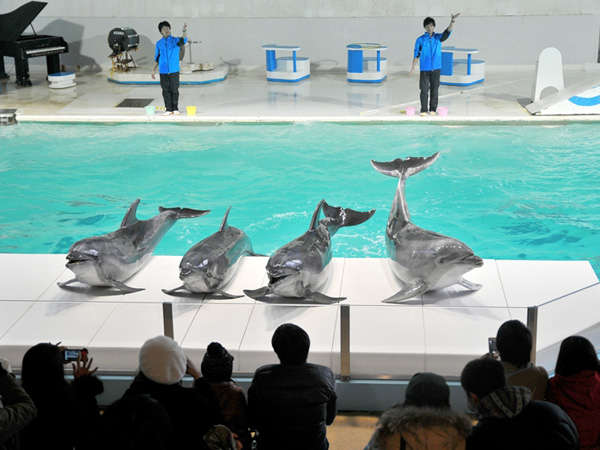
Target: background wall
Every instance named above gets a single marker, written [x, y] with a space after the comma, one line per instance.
[506, 31]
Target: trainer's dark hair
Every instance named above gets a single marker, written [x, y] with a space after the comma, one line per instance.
[514, 343]
[164, 23]
[291, 343]
[483, 376]
[427, 21]
[576, 354]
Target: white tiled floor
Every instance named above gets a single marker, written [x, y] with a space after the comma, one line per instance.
[326, 95]
[24, 277]
[439, 332]
[528, 283]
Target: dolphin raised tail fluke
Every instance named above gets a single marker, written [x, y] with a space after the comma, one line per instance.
[404, 168]
[346, 217]
[185, 213]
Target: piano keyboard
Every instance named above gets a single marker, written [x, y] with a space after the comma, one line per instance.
[44, 51]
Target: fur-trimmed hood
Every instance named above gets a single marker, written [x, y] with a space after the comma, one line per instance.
[420, 427]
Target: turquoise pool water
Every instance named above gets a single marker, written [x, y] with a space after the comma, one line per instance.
[518, 192]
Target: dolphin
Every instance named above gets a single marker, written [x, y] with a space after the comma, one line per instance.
[211, 264]
[421, 259]
[300, 268]
[112, 258]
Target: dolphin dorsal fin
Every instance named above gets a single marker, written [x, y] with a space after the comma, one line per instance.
[315, 216]
[130, 216]
[224, 223]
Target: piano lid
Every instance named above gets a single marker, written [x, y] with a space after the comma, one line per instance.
[14, 23]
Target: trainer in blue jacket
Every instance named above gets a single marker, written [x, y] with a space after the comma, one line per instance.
[167, 53]
[428, 51]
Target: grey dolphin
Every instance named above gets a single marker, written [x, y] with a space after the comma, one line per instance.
[112, 258]
[210, 264]
[421, 259]
[300, 268]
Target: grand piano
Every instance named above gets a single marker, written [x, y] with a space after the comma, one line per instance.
[22, 47]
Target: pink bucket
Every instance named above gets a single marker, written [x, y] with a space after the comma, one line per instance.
[442, 111]
[410, 110]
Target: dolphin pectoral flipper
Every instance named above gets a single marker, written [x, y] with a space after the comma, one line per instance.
[66, 283]
[130, 216]
[408, 291]
[257, 293]
[226, 295]
[469, 284]
[123, 287]
[173, 291]
[322, 299]
[185, 213]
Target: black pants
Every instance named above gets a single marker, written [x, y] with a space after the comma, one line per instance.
[169, 82]
[429, 82]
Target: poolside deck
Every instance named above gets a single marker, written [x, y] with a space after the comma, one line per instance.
[439, 331]
[245, 96]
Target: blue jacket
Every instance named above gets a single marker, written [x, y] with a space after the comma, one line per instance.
[166, 54]
[429, 50]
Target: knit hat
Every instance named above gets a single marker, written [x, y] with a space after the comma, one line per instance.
[162, 360]
[427, 389]
[217, 364]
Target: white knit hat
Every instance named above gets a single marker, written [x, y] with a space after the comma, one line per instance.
[162, 360]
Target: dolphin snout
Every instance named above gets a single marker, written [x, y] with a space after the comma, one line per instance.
[473, 260]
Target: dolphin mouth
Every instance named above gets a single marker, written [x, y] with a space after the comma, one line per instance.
[78, 259]
[473, 260]
[276, 278]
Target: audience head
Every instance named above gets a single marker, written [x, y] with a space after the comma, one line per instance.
[291, 344]
[43, 371]
[217, 364]
[514, 343]
[427, 390]
[482, 376]
[576, 354]
[162, 360]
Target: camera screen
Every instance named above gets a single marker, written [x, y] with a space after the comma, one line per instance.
[71, 355]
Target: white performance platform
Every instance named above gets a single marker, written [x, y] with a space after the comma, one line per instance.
[190, 74]
[437, 332]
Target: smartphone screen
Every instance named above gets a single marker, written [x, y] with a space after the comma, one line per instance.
[71, 355]
[492, 346]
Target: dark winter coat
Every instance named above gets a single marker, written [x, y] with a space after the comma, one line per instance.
[420, 428]
[67, 417]
[290, 405]
[579, 396]
[509, 419]
[233, 408]
[16, 410]
[192, 411]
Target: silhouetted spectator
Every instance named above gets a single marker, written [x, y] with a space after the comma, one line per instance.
[191, 411]
[575, 387]
[291, 403]
[424, 421]
[217, 368]
[68, 413]
[514, 344]
[508, 418]
[136, 422]
[16, 410]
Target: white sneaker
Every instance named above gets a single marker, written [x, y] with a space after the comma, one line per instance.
[432, 113]
[176, 112]
[167, 113]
